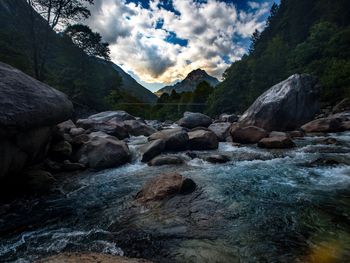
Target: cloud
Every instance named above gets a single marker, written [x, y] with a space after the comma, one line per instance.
[140, 38]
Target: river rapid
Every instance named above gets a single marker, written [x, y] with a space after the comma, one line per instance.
[262, 206]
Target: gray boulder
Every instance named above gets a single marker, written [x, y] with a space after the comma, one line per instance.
[231, 118]
[166, 160]
[249, 135]
[175, 139]
[285, 106]
[203, 140]
[192, 120]
[138, 128]
[153, 149]
[103, 151]
[221, 130]
[109, 115]
[29, 111]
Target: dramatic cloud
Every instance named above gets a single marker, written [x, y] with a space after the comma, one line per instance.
[161, 44]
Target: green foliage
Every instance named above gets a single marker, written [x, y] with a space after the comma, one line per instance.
[301, 37]
[90, 42]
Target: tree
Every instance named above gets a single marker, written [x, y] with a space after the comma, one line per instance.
[55, 12]
[90, 42]
[254, 40]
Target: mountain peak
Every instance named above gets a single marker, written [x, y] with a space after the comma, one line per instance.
[190, 83]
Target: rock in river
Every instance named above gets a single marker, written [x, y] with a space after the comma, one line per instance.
[153, 149]
[250, 134]
[276, 142]
[166, 160]
[203, 140]
[103, 151]
[165, 186]
[221, 129]
[285, 106]
[192, 120]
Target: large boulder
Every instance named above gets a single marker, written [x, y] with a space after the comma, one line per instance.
[153, 149]
[175, 139]
[221, 130]
[285, 106]
[203, 140]
[249, 135]
[109, 115]
[103, 151]
[165, 186]
[192, 120]
[29, 111]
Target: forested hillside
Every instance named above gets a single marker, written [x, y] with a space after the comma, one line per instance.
[87, 80]
[309, 36]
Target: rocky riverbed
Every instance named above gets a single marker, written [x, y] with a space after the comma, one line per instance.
[261, 206]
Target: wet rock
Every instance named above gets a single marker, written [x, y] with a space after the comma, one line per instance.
[89, 258]
[203, 140]
[329, 124]
[276, 142]
[277, 134]
[166, 160]
[165, 186]
[345, 126]
[192, 120]
[68, 166]
[175, 139]
[217, 158]
[103, 151]
[330, 141]
[221, 129]
[192, 155]
[111, 127]
[80, 139]
[153, 149]
[230, 118]
[247, 135]
[138, 128]
[285, 106]
[323, 162]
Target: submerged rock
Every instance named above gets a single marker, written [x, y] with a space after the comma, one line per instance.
[250, 134]
[217, 158]
[192, 120]
[165, 186]
[285, 106]
[153, 149]
[89, 258]
[203, 140]
[166, 160]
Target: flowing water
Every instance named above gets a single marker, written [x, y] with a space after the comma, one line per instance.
[263, 206]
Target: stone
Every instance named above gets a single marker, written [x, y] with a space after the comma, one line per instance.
[103, 151]
[329, 124]
[138, 128]
[175, 139]
[39, 181]
[166, 160]
[203, 140]
[153, 149]
[217, 158]
[109, 115]
[247, 135]
[111, 127]
[296, 134]
[165, 186]
[221, 130]
[61, 150]
[192, 120]
[342, 106]
[285, 106]
[277, 142]
[66, 126]
[76, 131]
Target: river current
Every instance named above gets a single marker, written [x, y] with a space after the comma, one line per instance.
[262, 206]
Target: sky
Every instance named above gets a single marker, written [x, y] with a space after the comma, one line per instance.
[159, 42]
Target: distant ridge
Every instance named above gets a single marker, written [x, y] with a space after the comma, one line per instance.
[132, 87]
[190, 82]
